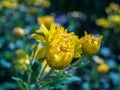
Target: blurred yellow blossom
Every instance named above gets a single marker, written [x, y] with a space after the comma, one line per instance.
[42, 3]
[113, 8]
[102, 22]
[46, 20]
[103, 68]
[18, 32]
[22, 60]
[114, 19]
[90, 43]
[9, 4]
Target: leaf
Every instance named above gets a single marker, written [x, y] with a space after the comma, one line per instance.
[59, 82]
[39, 38]
[22, 84]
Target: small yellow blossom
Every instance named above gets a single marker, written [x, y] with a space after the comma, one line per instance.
[102, 22]
[42, 3]
[90, 43]
[18, 32]
[10, 4]
[60, 45]
[22, 60]
[7, 4]
[103, 68]
[113, 8]
[46, 20]
[114, 19]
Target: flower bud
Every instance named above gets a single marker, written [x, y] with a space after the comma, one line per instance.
[18, 32]
[103, 68]
[46, 20]
[90, 44]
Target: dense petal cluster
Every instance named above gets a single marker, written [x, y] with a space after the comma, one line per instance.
[60, 45]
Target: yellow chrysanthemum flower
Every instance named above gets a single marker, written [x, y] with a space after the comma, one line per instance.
[90, 43]
[103, 68]
[46, 20]
[22, 60]
[60, 45]
[103, 22]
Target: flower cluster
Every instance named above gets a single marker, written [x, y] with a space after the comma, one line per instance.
[113, 18]
[14, 4]
[60, 47]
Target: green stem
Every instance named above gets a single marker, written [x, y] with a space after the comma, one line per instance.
[30, 72]
[35, 54]
[41, 73]
[74, 64]
[29, 79]
[38, 82]
[48, 74]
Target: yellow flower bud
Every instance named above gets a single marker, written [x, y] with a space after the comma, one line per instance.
[103, 68]
[102, 22]
[18, 32]
[90, 44]
[46, 20]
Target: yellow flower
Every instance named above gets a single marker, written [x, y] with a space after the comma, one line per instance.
[46, 20]
[7, 4]
[103, 68]
[60, 45]
[43, 3]
[114, 19]
[22, 60]
[10, 4]
[113, 8]
[18, 32]
[102, 22]
[90, 44]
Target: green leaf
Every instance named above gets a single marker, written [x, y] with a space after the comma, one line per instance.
[59, 82]
[22, 84]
